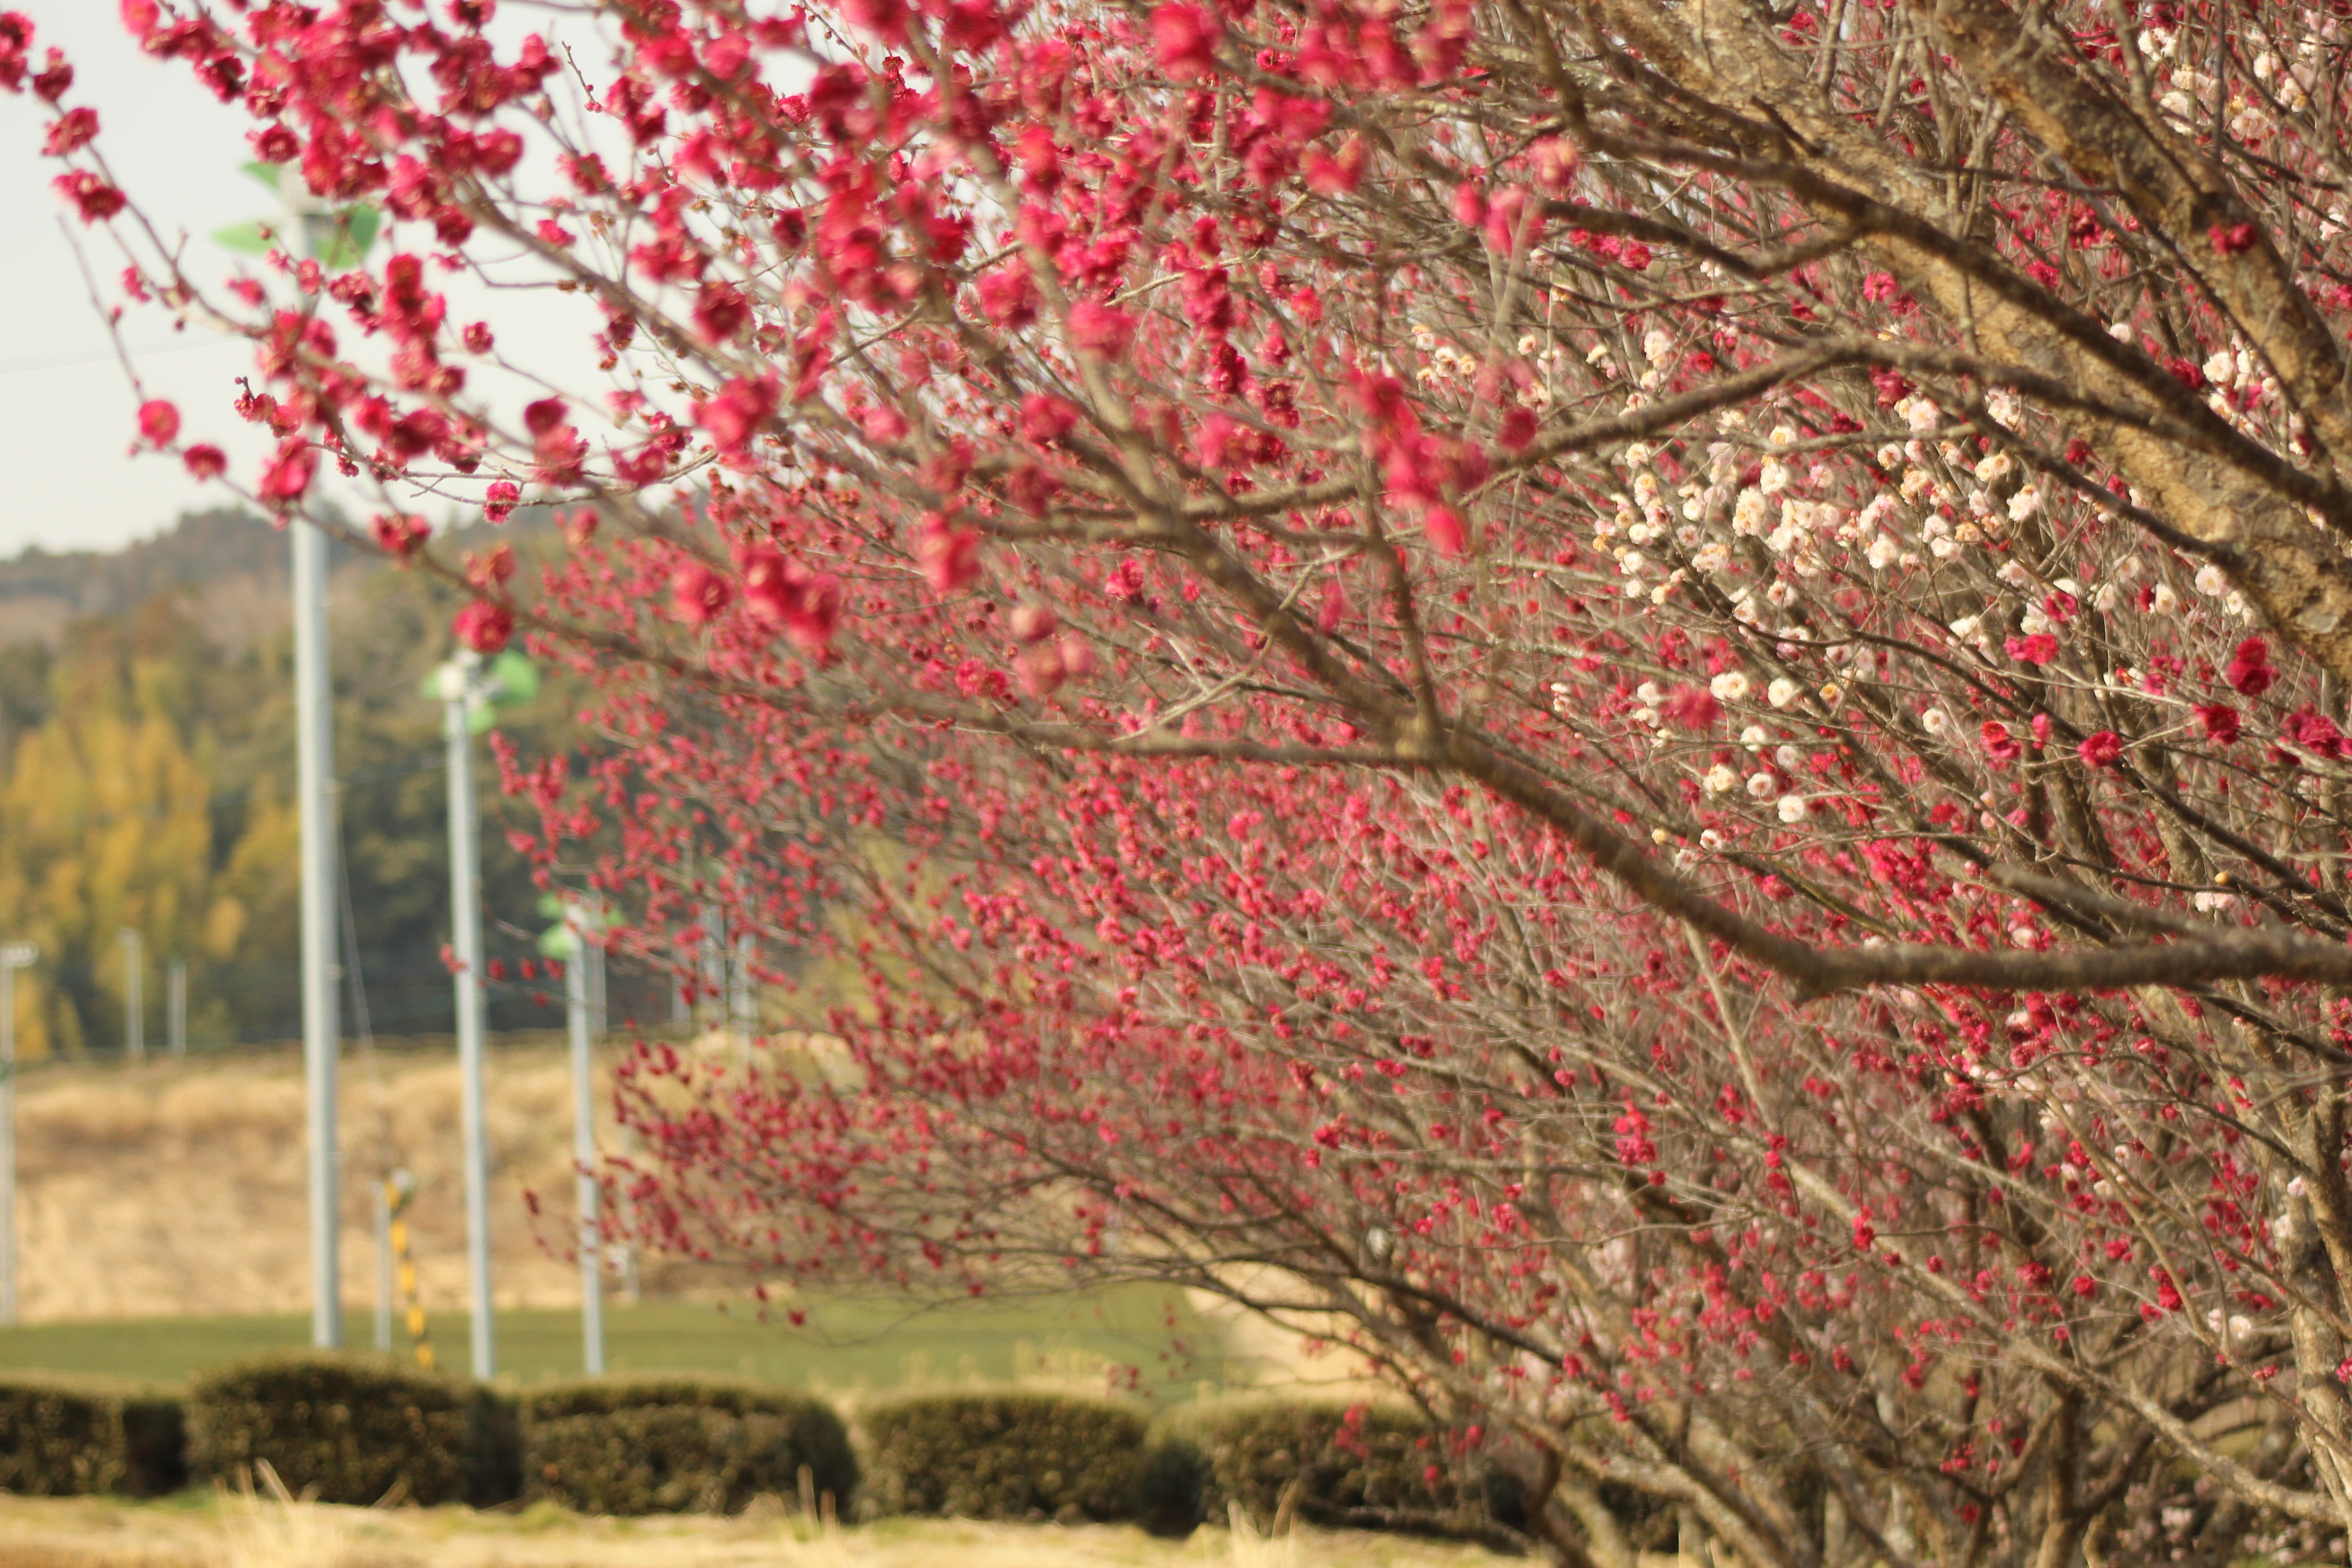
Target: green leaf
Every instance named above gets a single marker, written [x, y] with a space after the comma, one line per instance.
[481, 719]
[355, 229]
[266, 173]
[556, 941]
[252, 238]
[551, 908]
[516, 678]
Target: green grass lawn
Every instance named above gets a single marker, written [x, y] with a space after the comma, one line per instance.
[846, 1345]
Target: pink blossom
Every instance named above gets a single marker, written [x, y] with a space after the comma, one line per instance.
[741, 410]
[2220, 721]
[484, 626]
[288, 472]
[2103, 750]
[92, 197]
[1691, 707]
[159, 422]
[1442, 525]
[1045, 418]
[1099, 330]
[697, 594]
[2251, 672]
[1186, 38]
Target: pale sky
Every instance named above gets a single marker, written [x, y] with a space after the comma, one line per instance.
[67, 411]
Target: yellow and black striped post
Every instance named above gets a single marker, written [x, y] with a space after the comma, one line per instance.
[397, 1195]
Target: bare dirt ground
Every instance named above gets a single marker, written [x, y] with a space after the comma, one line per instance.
[89, 1533]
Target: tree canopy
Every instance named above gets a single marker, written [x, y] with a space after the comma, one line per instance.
[1641, 704]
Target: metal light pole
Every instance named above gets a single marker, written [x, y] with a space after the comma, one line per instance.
[583, 1143]
[175, 1008]
[322, 1025]
[135, 1001]
[13, 956]
[459, 691]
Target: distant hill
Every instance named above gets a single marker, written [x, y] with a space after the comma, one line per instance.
[236, 564]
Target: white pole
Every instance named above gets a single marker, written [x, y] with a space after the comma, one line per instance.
[583, 1146]
[599, 1006]
[384, 1267]
[135, 1001]
[175, 1018]
[742, 1007]
[466, 922]
[321, 1026]
[13, 957]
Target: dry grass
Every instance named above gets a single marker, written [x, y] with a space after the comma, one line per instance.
[275, 1531]
[178, 1187]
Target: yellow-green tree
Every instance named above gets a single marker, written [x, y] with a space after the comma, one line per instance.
[109, 817]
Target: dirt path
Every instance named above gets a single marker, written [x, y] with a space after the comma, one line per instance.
[91, 1532]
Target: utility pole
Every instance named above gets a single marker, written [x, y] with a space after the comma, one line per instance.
[175, 1008]
[583, 1143]
[134, 1003]
[460, 691]
[13, 956]
[599, 997]
[314, 767]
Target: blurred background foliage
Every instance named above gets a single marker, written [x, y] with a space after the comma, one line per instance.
[146, 774]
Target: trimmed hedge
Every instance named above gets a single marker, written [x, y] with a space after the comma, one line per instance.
[1004, 1455]
[1364, 1466]
[350, 1430]
[61, 1436]
[676, 1445]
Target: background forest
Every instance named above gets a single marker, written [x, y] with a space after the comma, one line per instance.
[146, 770]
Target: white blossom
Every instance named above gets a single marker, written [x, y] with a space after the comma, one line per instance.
[1719, 780]
[2024, 504]
[1792, 808]
[1762, 786]
[2211, 580]
[1782, 691]
[1935, 720]
[1731, 686]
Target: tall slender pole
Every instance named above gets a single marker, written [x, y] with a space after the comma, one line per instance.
[466, 923]
[584, 1147]
[600, 1014]
[384, 1267]
[175, 1008]
[134, 1000]
[13, 957]
[314, 769]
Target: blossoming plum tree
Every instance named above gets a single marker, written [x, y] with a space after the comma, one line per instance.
[1639, 705]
